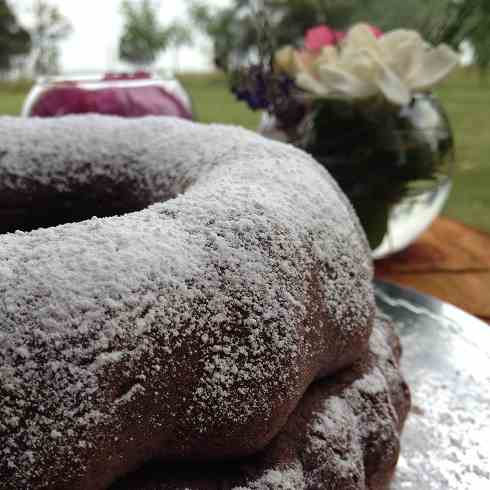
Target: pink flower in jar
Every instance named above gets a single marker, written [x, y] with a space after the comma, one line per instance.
[340, 35]
[376, 31]
[320, 36]
[111, 96]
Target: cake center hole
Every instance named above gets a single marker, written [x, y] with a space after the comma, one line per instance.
[56, 211]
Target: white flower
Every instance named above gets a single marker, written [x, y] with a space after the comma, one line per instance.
[394, 65]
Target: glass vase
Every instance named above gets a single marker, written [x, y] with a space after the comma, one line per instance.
[127, 95]
[394, 165]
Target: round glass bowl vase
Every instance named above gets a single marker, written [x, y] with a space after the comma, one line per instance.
[127, 95]
[395, 168]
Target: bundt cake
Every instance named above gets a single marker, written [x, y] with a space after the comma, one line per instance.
[187, 326]
[343, 435]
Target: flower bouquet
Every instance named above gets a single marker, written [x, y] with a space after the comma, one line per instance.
[360, 103]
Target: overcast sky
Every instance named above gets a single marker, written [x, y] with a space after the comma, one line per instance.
[97, 25]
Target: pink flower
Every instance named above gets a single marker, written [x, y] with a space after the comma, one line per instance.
[339, 36]
[319, 36]
[65, 99]
[376, 31]
[119, 100]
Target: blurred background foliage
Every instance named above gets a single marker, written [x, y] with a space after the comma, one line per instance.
[48, 28]
[15, 40]
[144, 37]
[233, 29]
[32, 48]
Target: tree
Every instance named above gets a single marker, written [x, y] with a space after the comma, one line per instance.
[472, 22]
[180, 35]
[234, 29]
[448, 21]
[143, 36]
[231, 30]
[49, 27]
[15, 41]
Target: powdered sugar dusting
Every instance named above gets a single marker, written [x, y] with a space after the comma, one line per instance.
[342, 430]
[290, 477]
[349, 432]
[219, 273]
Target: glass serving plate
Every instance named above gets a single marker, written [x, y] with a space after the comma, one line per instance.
[446, 361]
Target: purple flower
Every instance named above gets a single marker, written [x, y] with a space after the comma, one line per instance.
[252, 89]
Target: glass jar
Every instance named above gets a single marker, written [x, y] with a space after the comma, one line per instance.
[127, 95]
[395, 167]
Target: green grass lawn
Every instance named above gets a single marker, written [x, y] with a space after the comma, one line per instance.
[465, 95]
[10, 103]
[467, 99]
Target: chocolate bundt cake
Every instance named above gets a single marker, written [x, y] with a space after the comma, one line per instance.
[343, 435]
[186, 329]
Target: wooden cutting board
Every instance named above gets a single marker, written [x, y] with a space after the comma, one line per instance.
[450, 261]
